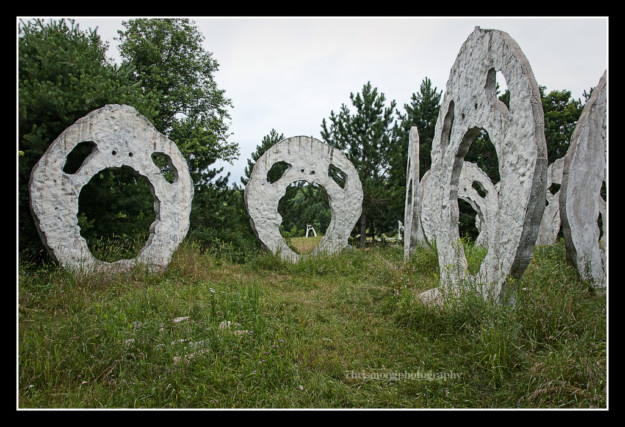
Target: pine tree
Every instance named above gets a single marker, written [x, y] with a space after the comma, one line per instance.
[366, 138]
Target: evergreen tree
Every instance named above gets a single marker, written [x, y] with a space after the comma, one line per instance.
[170, 61]
[268, 141]
[366, 138]
[63, 74]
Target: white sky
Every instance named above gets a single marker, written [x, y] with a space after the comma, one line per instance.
[288, 73]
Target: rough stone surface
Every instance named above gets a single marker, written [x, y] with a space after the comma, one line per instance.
[411, 207]
[485, 207]
[121, 137]
[469, 105]
[580, 200]
[550, 224]
[309, 160]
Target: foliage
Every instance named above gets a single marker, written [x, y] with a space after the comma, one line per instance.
[366, 137]
[169, 60]
[561, 115]
[268, 141]
[63, 74]
[219, 221]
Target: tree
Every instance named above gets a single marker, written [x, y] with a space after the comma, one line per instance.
[63, 75]
[366, 137]
[169, 60]
[561, 116]
[268, 141]
[422, 112]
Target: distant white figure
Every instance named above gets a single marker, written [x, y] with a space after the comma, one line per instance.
[310, 227]
[400, 228]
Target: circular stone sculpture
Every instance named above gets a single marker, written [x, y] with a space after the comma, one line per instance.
[309, 160]
[583, 176]
[469, 105]
[120, 137]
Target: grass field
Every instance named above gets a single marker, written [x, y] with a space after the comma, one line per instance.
[334, 332]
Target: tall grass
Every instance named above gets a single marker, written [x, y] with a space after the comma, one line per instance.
[328, 332]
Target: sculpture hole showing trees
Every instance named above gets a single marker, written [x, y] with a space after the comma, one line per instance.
[306, 214]
[116, 205]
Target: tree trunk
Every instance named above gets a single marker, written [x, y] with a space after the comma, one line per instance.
[363, 228]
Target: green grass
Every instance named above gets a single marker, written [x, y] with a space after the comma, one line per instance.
[328, 332]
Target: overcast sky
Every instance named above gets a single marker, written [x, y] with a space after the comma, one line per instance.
[288, 73]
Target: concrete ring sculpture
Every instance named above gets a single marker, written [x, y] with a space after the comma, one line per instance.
[469, 105]
[309, 160]
[120, 136]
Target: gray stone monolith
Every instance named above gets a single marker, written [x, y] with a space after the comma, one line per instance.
[580, 194]
[309, 160]
[412, 201]
[120, 137]
[470, 105]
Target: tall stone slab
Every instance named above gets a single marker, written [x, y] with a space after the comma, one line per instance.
[120, 137]
[469, 105]
[550, 223]
[580, 200]
[412, 202]
[309, 160]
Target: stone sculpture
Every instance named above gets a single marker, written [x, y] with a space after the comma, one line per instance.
[309, 160]
[120, 137]
[550, 223]
[471, 176]
[469, 105]
[412, 203]
[310, 228]
[583, 176]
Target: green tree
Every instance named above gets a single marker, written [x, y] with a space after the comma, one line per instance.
[169, 60]
[366, 138]
[268, 141]
[422, 112]
[63, 74]
[561, 116]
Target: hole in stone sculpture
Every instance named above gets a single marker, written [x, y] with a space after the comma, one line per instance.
[276, 171]
[77, 156]
[604, 197]
[554, 188]
[496, 88]
[468, 229]
[337, 175]
[115, 212]
[482, 152]
[306, 215]
[165, 165]
[448, 124]
[477, 186]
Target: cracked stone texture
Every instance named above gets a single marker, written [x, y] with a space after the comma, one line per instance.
[470, 104]
[550, 223]
[309, 160]
[122, 137]
[412, 203]
[580, 201]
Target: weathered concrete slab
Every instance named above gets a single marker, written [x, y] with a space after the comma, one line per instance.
[470, 105]
[309, 161]
[580, 201]
[121, 137]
